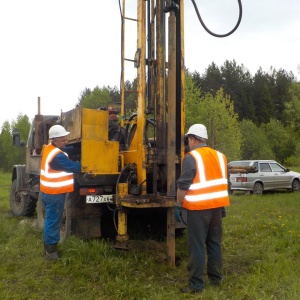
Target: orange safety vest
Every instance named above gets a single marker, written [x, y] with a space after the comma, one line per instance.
[210, 184]
[53, 181]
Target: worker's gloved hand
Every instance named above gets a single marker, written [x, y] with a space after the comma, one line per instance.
[178, 213]
[223, 212]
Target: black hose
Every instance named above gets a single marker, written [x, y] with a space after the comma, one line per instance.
[220, 35]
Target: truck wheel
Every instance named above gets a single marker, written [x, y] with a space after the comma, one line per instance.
[40, 212]
[65, 229]
[20, 202]
[258, 189]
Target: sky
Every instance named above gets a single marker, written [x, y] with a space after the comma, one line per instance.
[55, 49]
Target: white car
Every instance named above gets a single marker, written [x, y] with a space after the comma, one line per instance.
[257, 176]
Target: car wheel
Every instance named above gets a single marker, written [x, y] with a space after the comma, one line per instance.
[258, 188]
[295, 185]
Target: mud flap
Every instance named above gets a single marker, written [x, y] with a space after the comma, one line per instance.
[86, 227]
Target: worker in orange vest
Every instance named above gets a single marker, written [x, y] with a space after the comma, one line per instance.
[56, 180]
[203, 192]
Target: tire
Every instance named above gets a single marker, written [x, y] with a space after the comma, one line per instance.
[20, 202]
[295, 185]
[258, 189]
[65, 229]
[40, 212]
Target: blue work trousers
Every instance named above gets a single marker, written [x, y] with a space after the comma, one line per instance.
[204, 236]
[54, 208]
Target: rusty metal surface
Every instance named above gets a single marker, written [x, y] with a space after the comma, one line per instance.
[39, 133]
[161, 105]
[121, 246]
[71, 120]
[147, 201]
[171, 145]
[171, 236]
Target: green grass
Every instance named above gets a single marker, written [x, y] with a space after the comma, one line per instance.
[261, 252]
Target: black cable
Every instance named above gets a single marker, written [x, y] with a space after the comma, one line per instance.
[220, 35]
[121, 15]
[120, 7]
[185, 223]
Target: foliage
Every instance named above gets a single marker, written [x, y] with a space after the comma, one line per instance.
[263, 101]
[257, 101]
[98, 97]
[256, 144]
[257, 98]
[192, 102]
[84, 94]
[5, 142]
[105, 96]
[291, 114]
[260, 258]
[130, 97]
[283, 145]
[237, 82]
[23, 125]
[217, 114]
[282, 83]
[9, 154]
[293, 160]
[269, 141]
[211, 81]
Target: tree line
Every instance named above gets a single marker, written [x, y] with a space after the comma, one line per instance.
[247, 117]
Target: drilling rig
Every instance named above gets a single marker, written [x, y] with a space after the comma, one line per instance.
[133, 186]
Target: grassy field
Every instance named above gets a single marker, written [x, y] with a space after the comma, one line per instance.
[261, 258]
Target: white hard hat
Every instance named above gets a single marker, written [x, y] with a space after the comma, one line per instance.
[198, 130]
[57, 131]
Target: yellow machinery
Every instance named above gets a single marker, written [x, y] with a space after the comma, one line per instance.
[125, 186]
[160, 94]
[132, 188]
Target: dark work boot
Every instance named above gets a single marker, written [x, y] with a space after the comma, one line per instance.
[50, 252]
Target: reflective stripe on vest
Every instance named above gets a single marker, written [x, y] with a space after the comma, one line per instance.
[211, 193]
[52, 181]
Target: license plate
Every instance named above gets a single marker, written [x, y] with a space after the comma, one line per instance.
[99, 199]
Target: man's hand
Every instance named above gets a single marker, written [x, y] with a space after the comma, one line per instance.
[178, 213]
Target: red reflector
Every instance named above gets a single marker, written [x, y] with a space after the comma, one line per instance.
[90, 191]
[241, 179]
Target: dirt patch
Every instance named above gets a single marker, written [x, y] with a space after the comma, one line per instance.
[157, 250]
